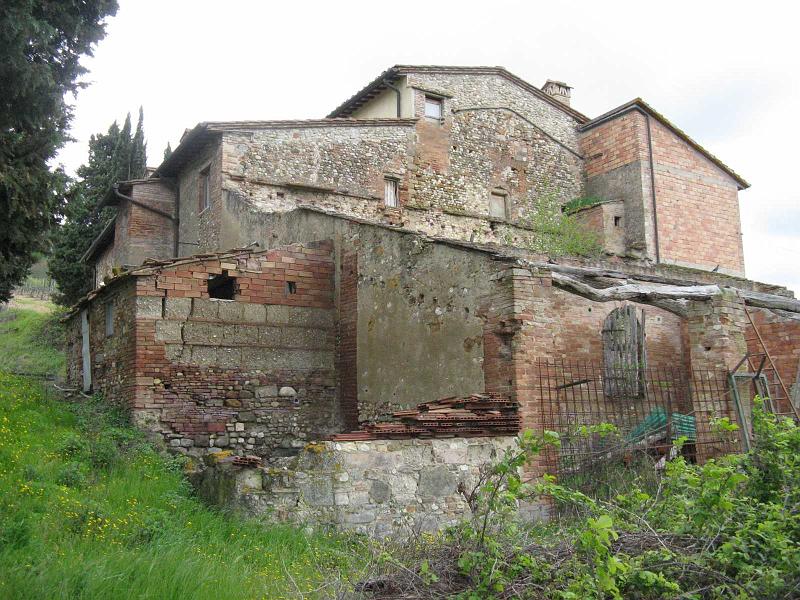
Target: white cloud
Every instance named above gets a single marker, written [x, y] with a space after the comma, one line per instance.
[727, 73]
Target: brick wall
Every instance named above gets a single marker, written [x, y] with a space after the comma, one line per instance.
[254, 374]
[147, 234]
[696, 201]
[347, 340]
[781, 337]
[533, 321]
[698, 207]
[618, 169]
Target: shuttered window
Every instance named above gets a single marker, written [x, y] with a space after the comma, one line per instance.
[390, 193]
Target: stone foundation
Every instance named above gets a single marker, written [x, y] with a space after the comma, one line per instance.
[378, 487]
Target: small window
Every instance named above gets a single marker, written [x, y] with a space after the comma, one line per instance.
[222, 287]
[617, 221]
[109, 319]
[291, 287]
[390, 194]
[433, 107]
[204, 189]
[497, 206]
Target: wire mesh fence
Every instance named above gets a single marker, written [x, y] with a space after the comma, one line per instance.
[613, 418]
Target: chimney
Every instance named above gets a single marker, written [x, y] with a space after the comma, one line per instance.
[558, 90]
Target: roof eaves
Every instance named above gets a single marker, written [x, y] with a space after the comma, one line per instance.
[103, 239]
[167, 167]
[642, 106]
[356, 100]
[223, 126]
[349, 105]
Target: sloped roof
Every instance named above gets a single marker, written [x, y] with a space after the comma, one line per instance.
[640, 105]
[101, 242]
[378, 84]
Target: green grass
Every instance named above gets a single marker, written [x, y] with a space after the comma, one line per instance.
[31, 339]
[89, 510]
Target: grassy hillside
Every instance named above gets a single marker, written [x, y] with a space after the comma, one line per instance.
[31, 340]
[89, 510]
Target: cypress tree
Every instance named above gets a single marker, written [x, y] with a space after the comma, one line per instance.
[110, 160]
[139, 150]
[122, 152]
[167, 151]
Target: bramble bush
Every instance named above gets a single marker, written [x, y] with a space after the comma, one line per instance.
[727, 529]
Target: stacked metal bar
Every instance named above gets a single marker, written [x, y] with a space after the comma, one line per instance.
[465, 416]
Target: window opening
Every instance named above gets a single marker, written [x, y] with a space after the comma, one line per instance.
[205, 189]
[390, 193]
[222, 286]
[433, 107]
[109, 319]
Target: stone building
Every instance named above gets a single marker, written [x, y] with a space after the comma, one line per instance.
[307, 276]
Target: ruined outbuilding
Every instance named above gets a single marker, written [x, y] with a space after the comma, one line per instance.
[276, 284]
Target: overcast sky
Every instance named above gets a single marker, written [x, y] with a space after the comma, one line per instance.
[726, 73]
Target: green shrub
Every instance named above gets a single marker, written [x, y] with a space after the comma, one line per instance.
[72, 474]
[727, 529]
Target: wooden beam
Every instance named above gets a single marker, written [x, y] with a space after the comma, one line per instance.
[669, 297]
[771, 301]
[629, 288]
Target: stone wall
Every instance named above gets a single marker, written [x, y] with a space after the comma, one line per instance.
[379, 487]
[495, 136]
[112, 354]
[200, 229]
[104, 264]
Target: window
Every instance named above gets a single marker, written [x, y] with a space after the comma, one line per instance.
[204, 187]
[390, 194]
[433, 107]
[617, 221]
[222, 287]
[291, 287]
[109, 319]
[497, 206]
